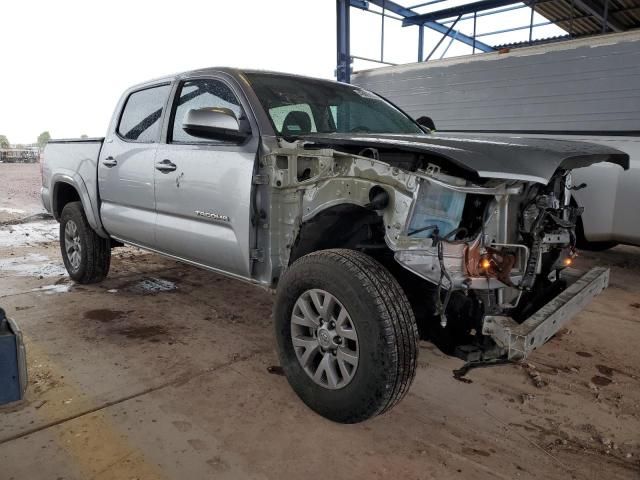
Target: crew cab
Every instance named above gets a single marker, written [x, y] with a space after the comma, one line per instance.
[372, 230]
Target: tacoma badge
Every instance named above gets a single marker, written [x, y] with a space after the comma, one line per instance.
[214, 216]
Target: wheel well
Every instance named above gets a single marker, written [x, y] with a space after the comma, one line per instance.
[357, 228]
[64, 193]
[343, 226]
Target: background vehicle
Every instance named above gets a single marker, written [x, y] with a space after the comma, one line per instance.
[582, 90]
[19, 155]
[368, 226]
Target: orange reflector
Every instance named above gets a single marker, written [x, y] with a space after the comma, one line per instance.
[567, 261]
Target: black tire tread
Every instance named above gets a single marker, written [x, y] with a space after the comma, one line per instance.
[396, 314]
[98, 249]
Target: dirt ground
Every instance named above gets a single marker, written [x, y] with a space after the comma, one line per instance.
[162, 371]
[19, 190]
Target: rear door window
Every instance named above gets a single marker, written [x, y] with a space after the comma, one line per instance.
[141, 118]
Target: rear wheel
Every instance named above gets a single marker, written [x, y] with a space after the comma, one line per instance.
[86, 255]
[347, 337]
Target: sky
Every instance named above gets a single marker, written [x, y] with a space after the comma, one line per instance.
[65, 63]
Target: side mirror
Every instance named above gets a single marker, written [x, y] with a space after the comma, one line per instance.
[214, 123]
[426, 122]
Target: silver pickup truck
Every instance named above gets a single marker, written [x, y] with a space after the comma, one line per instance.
[373, 230]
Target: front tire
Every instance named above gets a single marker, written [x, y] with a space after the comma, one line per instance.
[86, 255]
[346, 333]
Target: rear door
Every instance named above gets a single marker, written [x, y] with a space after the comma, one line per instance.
[126, 167]
[203, 187]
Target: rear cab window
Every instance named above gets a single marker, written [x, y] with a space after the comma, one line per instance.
[279, 115]
[141, 119]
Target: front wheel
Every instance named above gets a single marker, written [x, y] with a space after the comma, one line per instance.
[86, 255]
[346, 333]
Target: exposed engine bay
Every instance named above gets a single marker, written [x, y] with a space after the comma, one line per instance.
[498, 249]
[479, 249]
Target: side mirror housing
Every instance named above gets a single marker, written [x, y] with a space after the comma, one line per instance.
[214, 123]
[426, 122]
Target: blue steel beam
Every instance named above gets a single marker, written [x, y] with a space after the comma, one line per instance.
[438, 27]
[408, 14]
[459, 10]
[361, 4]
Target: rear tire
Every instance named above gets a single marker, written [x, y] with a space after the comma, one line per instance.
[86, 255]
[383, 338]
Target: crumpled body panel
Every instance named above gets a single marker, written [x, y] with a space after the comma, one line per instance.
[508, 157]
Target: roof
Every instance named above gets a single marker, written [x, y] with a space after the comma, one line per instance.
[236, 73]
[588, 16]
[578, 18]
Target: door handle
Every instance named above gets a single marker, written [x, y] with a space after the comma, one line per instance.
[166, 166]
[110, 162]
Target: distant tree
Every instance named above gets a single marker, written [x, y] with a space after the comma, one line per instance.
[84, 135]
[4, 141]
[43, 138]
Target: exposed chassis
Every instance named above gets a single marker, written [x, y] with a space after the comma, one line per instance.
[519, 340]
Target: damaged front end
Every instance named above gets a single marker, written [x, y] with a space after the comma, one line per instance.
[495, 254]
[504, 247]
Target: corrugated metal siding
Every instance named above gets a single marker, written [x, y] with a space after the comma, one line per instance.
[578, 21]
[576, 86]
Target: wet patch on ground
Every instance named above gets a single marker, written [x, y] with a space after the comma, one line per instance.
[29, 233]
[55, 288]
[151, 333]
[604, 370]
[105, 315]
[584, 354]
[475, 451]
[148, 286]
[32, 265]
[114, 324]
[600, 381]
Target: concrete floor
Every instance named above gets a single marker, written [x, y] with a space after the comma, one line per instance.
[161, 372]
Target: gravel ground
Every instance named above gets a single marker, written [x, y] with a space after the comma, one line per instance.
[19, 190]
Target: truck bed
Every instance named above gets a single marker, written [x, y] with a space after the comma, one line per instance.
[75, 162]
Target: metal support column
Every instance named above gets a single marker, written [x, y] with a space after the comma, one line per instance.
[420, 43]
[475, 20]
[343, 67]
[605, 16]
[382, 31]
[533, 11]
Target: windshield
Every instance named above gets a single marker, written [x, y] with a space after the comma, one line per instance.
[299, 106]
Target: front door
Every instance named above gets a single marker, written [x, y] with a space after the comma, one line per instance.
[126, 167]
[203, 187]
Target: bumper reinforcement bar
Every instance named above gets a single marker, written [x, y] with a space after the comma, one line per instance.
[519, 340]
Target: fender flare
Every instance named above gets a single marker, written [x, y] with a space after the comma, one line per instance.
[90, 208]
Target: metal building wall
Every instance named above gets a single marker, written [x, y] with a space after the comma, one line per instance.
[591, 84]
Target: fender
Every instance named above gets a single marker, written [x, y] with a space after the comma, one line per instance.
[91, 209]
